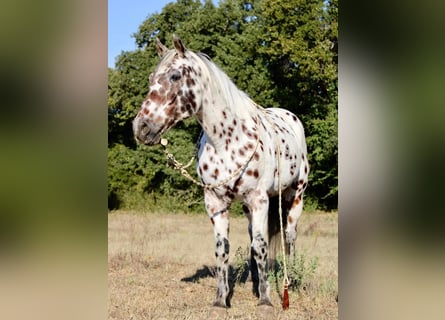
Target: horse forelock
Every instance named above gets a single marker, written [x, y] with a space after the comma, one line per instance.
[166, 60]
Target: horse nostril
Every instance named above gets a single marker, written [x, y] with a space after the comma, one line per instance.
[144, 128]
[141, 129]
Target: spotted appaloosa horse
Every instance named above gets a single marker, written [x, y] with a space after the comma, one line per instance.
[238, 147]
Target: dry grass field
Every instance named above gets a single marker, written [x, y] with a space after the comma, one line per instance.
[160, 267]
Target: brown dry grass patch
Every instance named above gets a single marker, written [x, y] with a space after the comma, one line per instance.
[160, 266]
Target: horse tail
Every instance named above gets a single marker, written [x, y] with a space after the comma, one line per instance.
[274, 230]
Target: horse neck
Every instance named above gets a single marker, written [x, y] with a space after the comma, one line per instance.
[227, 110]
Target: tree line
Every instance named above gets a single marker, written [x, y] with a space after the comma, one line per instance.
[282, 53]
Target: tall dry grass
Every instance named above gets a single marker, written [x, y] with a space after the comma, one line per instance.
[161, 267]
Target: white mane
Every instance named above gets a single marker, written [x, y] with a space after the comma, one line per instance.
[239, 103]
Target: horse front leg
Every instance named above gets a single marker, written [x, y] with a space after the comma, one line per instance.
[258, 203]
[222, 247]
[219, 215]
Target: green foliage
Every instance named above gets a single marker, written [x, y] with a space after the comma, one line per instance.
[140, 178]
[282, 53]
[241, 265]
[301, 48]
[300, 271]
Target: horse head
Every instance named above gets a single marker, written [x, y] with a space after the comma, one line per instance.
[172, 96]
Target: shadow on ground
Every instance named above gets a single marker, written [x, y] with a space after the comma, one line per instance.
[236, 276]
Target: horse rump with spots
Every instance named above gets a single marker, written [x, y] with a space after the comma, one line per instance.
[246, 153]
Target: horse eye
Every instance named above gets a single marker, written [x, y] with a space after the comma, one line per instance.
[175, 76]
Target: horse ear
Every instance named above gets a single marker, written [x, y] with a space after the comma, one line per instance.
[160, 48]
[179, 46]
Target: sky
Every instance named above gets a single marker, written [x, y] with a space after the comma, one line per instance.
[124, 18]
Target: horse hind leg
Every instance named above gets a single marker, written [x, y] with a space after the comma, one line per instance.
[294, 203]
[253, 265]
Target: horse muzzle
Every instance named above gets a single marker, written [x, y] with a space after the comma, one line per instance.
[146, 132]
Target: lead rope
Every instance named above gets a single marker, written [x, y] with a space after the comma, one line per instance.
[280, 213]
[183, 168]
[283, 249]
[178, 165]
